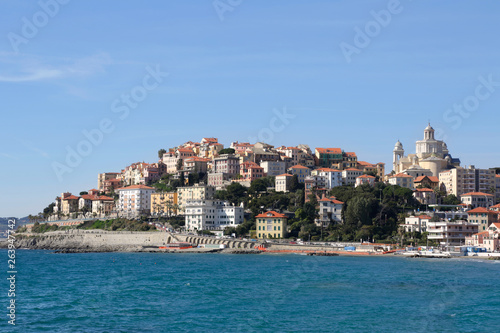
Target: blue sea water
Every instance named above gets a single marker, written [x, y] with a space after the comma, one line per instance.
[143, 292]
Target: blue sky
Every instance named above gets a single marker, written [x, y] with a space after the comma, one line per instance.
[230, 69]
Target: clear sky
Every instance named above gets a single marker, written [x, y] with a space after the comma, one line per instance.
[358, 75]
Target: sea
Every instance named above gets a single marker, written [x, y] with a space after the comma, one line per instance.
[159, 292]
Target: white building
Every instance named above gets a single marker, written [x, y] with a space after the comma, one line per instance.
[477, 199]
[365, 179]
[273, 168]
[349, 175]
[416, 223]
[330, 211]
[332, 177]
[282, 182]
[214, 215]
[134, 200]
[450, 233]
[402, 180]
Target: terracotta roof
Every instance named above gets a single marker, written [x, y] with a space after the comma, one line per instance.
[333, 200]
[424, 217]
[104, 198]
[401, 175]
[496, 206]
[298, 166]
[273, 214]
[423, 190]
[134, 187]
[197, 159]
[352, 169]
[496, 225]
[477, 193]
[431, 178]
[292, 148]
[71, 197]
[497, 176]
[351, 154]
[88, 196]
[480, 210]
[285, 174]
[366, 176]
[185, 150]
[329, 150]
[328, 170]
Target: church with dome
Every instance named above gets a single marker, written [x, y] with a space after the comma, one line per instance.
[431, 157]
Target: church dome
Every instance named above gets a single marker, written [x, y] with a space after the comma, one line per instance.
[429, 128]
[398, 145]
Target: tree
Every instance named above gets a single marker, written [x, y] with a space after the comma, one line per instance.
[226, 151]
[294, 184]
[84, 192]
[161, 152]
[451, 200]
[179, 164]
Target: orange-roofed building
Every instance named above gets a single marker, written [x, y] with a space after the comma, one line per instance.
[328, 156]
[402, 180]
[301, 171]
[378, 169]
[349, 160]
[426, 181]
[425, 196]
[349, 175]
[102, 205]
[416, 223]
[134, 200]
[69, 203]
[477, 199]
[482, 217]
[365, 180]
[271, 225]
[330, 211]
[250, 171]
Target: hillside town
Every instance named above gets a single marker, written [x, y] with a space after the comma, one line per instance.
[282, 192]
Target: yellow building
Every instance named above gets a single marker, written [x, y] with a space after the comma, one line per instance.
[164, 203]
[271, 225]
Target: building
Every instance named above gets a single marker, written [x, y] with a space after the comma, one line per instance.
[477, 199]
[450, 233]
[332, 177]
[425, 196]
[282, 182]
[273, 168]
[141, 173]
[327, 157]
[365, 180]
[102, 205]
[369, 168]
[330, 211]
[402, 180]
[196, 164]
[103, 177]
[263, 152]
[489, 239]
[195, 192]
[69, 203]
[431, 154]
[300, 171]
[164, 203]
[483, 217]
[111, 185]
[497, 188]
[271, 225]
[214, 215]
[219, 180]
[460, 180]
[171, 159]
[349, 160]
[349, 175]
[228, 164]
[416, 223]
[134, 200]
[426, 182]
[250, 171]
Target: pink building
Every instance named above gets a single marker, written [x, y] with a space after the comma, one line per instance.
[250, 171]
